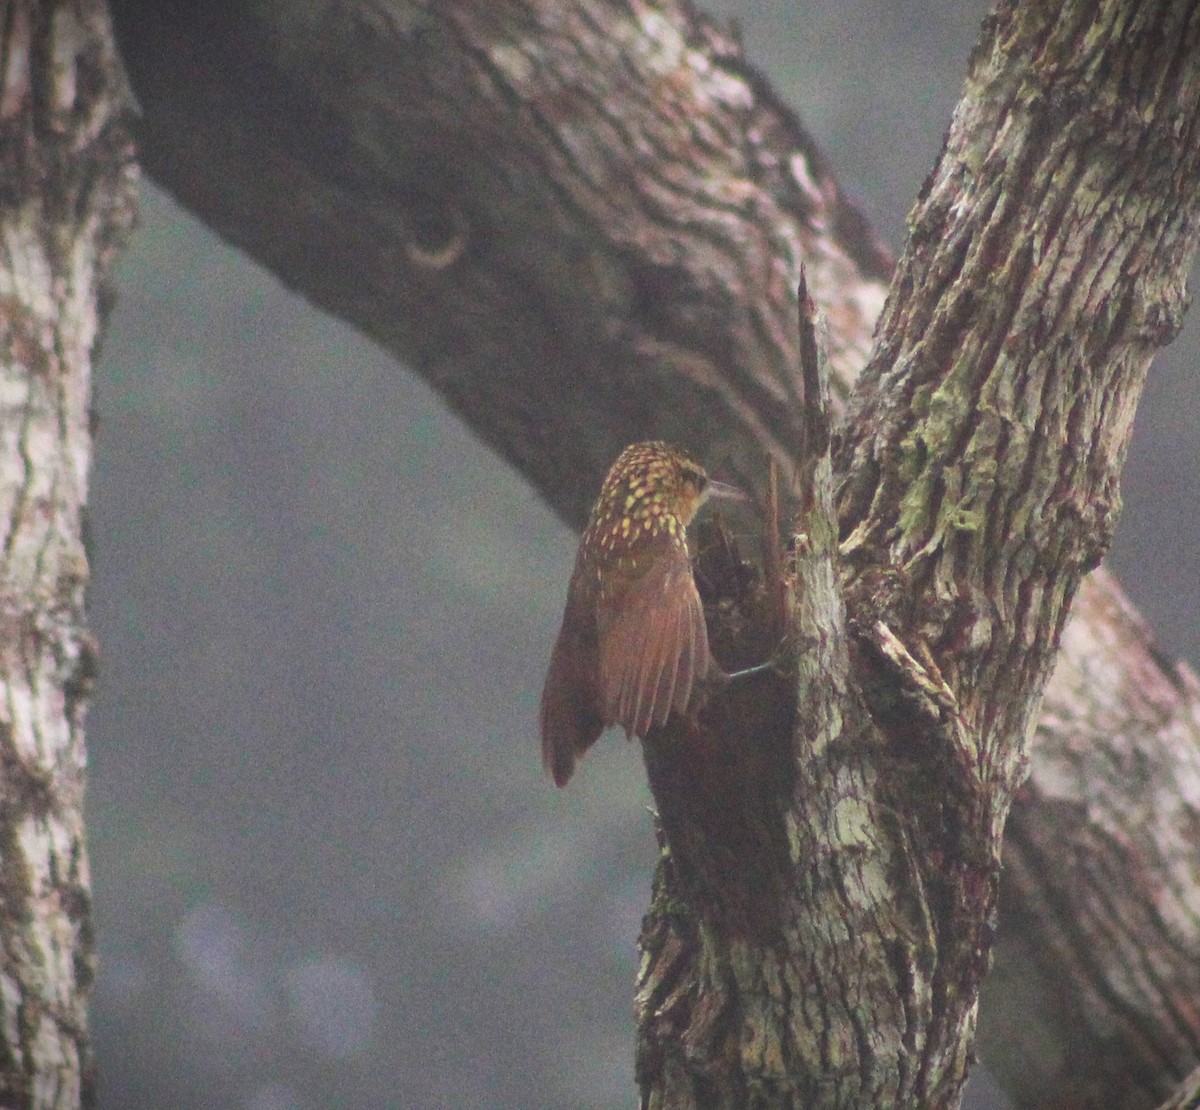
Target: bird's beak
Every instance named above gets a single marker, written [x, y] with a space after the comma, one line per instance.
[724, 492]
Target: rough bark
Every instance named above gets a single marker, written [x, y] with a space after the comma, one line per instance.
[1096, 976]
[514, 166]
[66, 203]
[1186, 1096]
[1046, 265]
[582, 223]
[979, 469]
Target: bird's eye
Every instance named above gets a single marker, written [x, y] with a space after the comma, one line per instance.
[696, 477]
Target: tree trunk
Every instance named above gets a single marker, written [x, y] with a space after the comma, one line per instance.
[66, 204]
[608, 195]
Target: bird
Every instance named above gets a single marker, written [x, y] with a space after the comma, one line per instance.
[633, 646]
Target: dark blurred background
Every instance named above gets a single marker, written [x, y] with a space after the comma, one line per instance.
[328, 871]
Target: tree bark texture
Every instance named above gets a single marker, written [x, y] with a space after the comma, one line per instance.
[66, 204]
[1187, 1095]
[583, 223]
[1046, 264]
[1096, 976]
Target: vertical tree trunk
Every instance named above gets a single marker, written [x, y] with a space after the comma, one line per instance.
[67, 195]
[821, 929]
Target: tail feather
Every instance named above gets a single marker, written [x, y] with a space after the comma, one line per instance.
[569, 721]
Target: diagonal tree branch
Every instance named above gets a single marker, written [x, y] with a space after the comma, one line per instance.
[582, 223]
[1096, 976]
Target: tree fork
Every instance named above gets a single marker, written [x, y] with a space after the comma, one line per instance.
[668, 311]
[979, 472]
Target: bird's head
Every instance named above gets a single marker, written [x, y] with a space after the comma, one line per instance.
[652, 487]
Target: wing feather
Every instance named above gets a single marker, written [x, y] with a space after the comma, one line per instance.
[662, 649]
[668, 678]
[656, 648]
[621, 645]
[630, 665]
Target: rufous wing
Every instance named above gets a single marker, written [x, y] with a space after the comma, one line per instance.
[655, 649]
